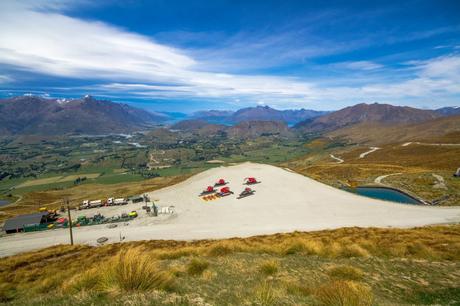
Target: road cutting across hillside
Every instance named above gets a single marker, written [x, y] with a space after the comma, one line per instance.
[283, 202]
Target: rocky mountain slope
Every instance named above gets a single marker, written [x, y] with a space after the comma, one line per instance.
[381, 114]
[34, 115]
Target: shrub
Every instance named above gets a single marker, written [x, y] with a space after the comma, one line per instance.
[346, 272]
[197, 266]
[349, 293]
[133, 270]
[269, 267]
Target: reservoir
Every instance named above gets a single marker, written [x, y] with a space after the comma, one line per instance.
[386, 194]
[4, 202]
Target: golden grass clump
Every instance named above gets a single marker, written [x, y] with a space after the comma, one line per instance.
[87, 280]
[269, 267]
[223, 248]
[331, 249]
[133, 270]
[354, 250]
[299, 245]
[346, 272]
[177, 253]
[295, 287]
[349, 293]
[197, 266]
[419, 250]
[265, 294]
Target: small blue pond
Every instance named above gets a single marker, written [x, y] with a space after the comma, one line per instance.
[386, 194]
[4, 202]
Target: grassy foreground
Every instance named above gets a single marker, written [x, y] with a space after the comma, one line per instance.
[350, 266]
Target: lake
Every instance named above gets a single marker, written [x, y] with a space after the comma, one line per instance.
[4, 202]
[386, 194]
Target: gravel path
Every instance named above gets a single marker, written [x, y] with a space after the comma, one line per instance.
[372, 149]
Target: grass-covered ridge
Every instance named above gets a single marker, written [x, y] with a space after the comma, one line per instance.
[350, 266]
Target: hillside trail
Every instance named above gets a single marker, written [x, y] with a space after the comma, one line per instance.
[339, 160]
[430, 144]
[372, 149]
[378, 180]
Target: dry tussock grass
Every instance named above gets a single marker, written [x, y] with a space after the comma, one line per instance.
[346, 272]
[134, 270]
[265, 294]
[269, 267]
[340, 293]
[136, 266]
[295, 287]
[197, 266]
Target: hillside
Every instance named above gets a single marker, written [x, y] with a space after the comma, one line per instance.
[349, 266]
[375, 114]
[252, 129]
[449, 111]
[439, 130]
[244, 129]
[34, 116]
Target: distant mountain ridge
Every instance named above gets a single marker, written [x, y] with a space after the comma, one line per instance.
[30, 115]
[244, 129]
[375, 113]
[258, 113]
[449, 111]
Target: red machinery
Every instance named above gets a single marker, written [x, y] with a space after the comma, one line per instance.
[208, 190]
[225, 191]
[246, 192]
[220, 182]
[251, 181]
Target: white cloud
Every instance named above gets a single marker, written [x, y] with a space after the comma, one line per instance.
[5, 79]
[359, 65]
[37, 36]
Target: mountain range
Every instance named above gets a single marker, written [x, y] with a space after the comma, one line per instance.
[27, 115]
[258, 113]
[34, 115]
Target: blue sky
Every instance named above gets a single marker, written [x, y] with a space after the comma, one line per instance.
[190, 55]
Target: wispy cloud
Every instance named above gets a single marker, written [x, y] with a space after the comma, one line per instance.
[38, 36]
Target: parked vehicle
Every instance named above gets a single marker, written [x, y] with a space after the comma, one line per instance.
[225, 192]
[251, 181]
[220, 182]
[208, 190]
[246, 192]
[117, 201]
[91, 204]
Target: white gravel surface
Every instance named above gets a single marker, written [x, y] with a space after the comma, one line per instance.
[284, 201]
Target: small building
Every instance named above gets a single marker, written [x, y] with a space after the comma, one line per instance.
[18, 223]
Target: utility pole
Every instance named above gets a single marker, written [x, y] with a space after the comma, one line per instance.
[70, 221]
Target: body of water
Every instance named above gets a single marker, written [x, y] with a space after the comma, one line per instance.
[4, 202]
[386, 194]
